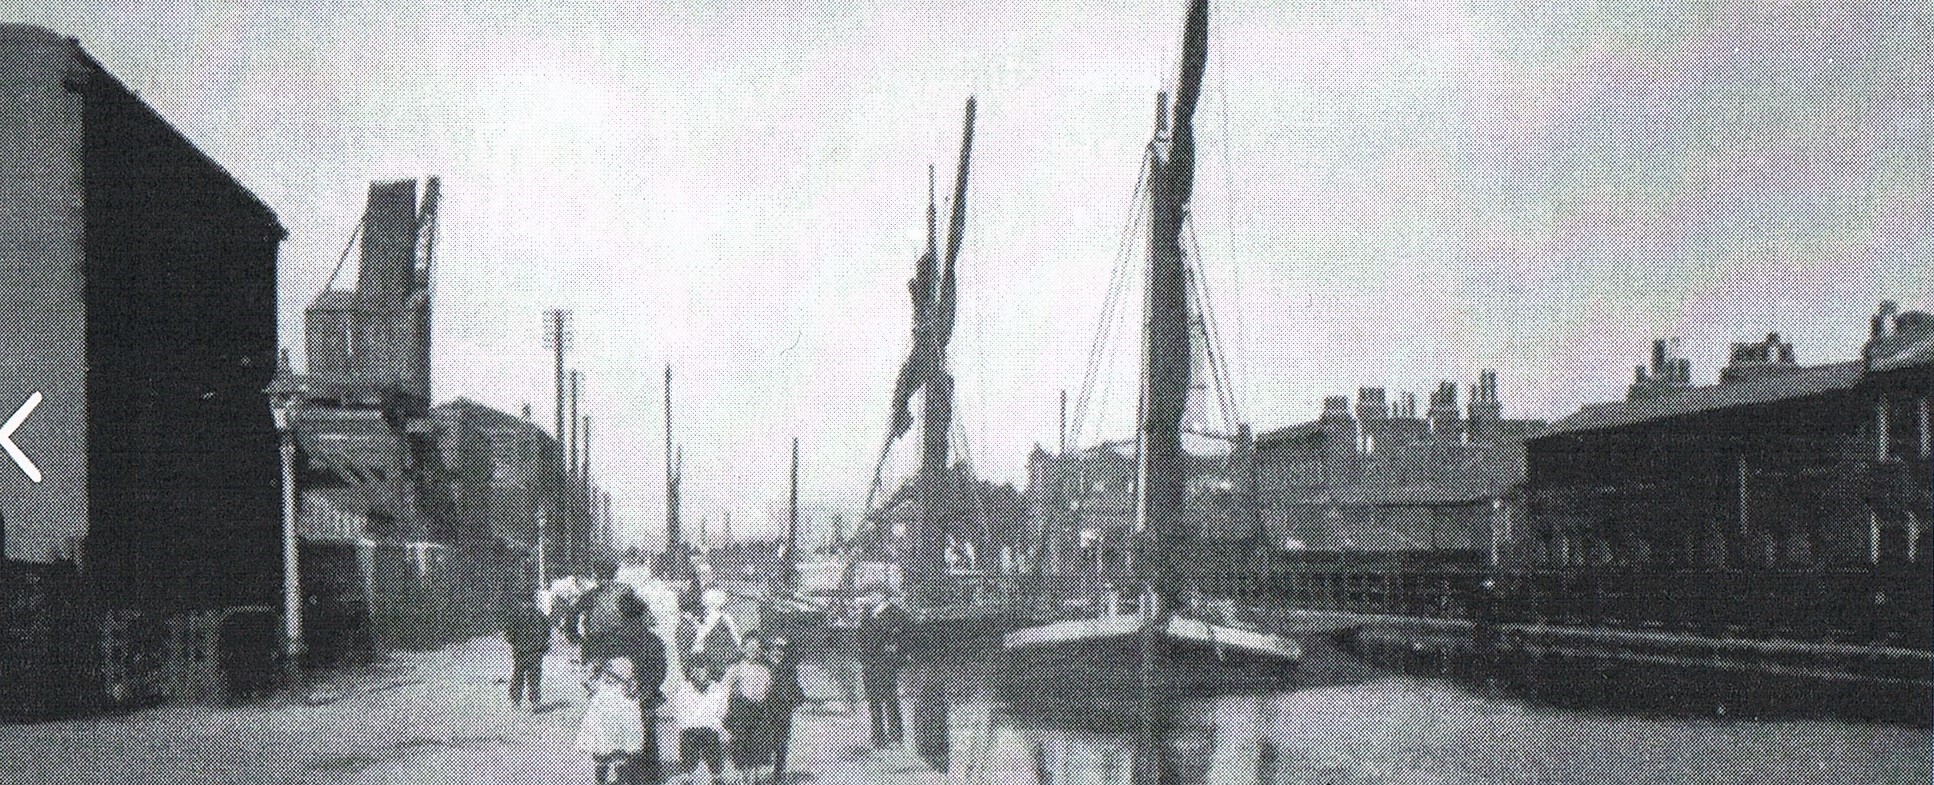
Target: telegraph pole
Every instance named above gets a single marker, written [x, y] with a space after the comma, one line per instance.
[573, 502]
[789, 568]
[673, 538]
[557, 336]
[588, 500]
[527, 469]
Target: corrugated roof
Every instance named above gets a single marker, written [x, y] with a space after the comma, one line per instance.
[1797, 383]
[1919, 354]
[1297, 431]
[334, 300]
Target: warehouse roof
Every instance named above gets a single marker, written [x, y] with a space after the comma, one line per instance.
[1797, 383]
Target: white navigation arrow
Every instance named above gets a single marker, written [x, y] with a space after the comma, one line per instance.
[6, 437]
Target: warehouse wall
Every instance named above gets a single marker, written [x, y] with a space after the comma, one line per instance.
[184, 472]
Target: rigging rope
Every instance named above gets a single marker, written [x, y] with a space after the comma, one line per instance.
[1229, 221]
[353, 234]
[1211, 334]
[1099, 350]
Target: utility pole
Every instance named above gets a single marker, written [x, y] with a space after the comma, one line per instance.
[558, 337]
[574, 503]
[789, 568]
[673, 538]
[542, 534]
[527, 468]
[590, 499]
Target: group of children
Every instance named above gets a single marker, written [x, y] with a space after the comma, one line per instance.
[734, 701]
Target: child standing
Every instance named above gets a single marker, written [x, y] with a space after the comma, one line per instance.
[529, 634]
[700, 709]
[747, 718]
[612, 728]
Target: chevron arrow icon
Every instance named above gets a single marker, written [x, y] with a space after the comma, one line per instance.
[6, 438]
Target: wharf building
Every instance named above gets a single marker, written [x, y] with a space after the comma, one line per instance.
[417, 521]
[1784, 500]
[501, 474]
[1380, 477]
[1371, 487]
[1377, 508]
[980, 524]
[142, 518]
[1080, 510]
[1078, 513]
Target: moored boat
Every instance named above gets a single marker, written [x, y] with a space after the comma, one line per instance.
[1169, 643]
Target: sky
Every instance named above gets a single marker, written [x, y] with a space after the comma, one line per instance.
[1389, 194]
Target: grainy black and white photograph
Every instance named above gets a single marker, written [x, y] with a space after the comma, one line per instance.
[1143, 392]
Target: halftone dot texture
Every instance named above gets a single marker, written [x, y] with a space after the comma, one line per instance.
[443, 717]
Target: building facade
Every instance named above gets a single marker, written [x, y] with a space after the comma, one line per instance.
[1787, 499]
[388, 559]
[1378, 476]
[502, 477]
[139, 281]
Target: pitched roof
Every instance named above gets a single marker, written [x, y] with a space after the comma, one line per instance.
[1797, 383]
[334, 300]
[1918, 354]
[1292, 432]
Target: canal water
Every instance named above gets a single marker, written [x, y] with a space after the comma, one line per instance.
[1342, 721]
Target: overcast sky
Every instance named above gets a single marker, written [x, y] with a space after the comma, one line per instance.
[1389, 194]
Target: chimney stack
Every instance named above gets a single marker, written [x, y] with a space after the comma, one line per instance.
[1669, 374]
[1484, 407]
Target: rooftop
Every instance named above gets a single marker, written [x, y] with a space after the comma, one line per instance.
[1911, 347]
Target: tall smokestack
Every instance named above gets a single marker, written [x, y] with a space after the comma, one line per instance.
[673, 538]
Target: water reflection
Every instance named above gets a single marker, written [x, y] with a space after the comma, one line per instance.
[1342, 721]
[961, 724]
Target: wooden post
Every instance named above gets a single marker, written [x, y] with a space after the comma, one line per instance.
[675, 553]
[790, 565]
[1913, 534]
[1873, 537]
[1745, 521]
[366, 565]
[293, 645]
[1926, 437]
[587, 499]
[573, 511]
[1880, 428]
[558, 336]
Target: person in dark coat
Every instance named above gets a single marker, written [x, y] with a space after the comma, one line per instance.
[783, 696]
[637, 642]
[529, 636]
[601, 614]
[748, 713]
[882, 635]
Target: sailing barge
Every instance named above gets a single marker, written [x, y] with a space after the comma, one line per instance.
[944, 602]
[1169, 642]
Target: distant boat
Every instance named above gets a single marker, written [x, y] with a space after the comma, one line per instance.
[903, 547]
[809, 596]
[1184, 644]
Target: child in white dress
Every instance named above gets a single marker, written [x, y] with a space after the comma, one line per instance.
[699, 706]
[613, 729]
